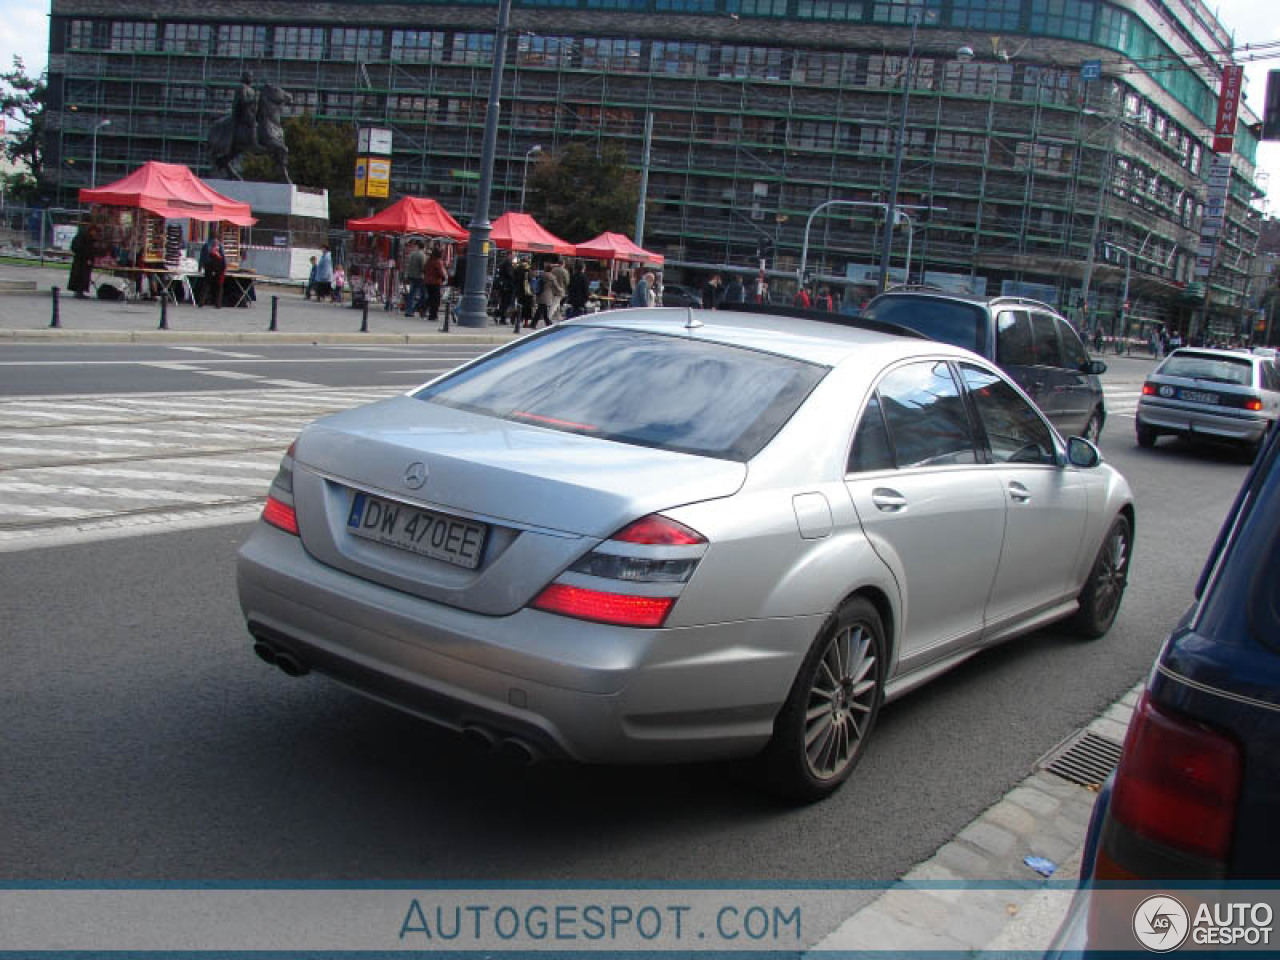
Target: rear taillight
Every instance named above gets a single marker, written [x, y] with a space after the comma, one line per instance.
[1148, 389]
[278, 510]
[1253, 403]
[632, 579]
[1173, 804]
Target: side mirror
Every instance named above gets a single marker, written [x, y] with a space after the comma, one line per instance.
[1094, 368]
[1082, 453]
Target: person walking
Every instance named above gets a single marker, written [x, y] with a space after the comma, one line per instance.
[324, 274]
[711, 292]
[640, 295]
[802, 299]
[504, 287]
[311, 281]
[579, 292]
[733, 293]
[214, 263]
[415, 265]
[339, 282]
[82, 261]
[824, 301]
[434, 276]
[522, 313]
[562, 282]
[550, 293]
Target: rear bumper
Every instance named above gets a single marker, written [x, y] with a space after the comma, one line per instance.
[587, 691]
[1190, 420]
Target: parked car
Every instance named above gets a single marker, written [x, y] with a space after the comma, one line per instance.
[1028, 339]
[655, 536]
[678, 295]
[1193, 800]
[1201, 393]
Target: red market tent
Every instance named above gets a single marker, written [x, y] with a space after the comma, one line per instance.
[171, 191]
[616, 246]
[519, 231]
[412, 215]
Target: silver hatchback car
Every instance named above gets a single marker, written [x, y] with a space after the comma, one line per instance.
[671, 534]
[1210, 394]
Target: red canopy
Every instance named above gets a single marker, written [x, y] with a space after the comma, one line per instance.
[172, 191]
[412, 215]
[519, 231]
[616, 246]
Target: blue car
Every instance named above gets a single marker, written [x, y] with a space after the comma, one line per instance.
[1195, 798]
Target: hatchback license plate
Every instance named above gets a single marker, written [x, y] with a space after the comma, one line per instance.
[1198, 396]
[423, 532]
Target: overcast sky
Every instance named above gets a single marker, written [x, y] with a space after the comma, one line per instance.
[24, 30]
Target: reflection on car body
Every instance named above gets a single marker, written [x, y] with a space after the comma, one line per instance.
[701, 534]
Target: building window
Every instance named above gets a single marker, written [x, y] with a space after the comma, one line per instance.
[614, 54]
[241, 41]
[187, 37]
[687, 6]
[416, 46]
[299, 43]
[471, 48]
[304, 101]
[828, 10]
[903, 11]
[88, 35]
[757, 8]
[544, 51]
[761, 63]
[128, 37]
[986, 14]
[680, 59]
[359, 45]
[1072, 19]
[186, 97]
[638, 5]
[819, 69]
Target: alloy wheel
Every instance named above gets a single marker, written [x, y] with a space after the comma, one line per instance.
[841, 701]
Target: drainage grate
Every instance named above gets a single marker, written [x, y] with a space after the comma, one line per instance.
[1083, 758]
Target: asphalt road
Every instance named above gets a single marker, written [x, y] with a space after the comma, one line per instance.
[143, 740]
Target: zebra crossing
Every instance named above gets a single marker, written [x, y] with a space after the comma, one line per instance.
[94, 467]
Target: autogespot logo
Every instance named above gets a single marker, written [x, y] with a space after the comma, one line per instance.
[1161, 923]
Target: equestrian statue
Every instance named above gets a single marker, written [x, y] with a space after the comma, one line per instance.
[253, 126]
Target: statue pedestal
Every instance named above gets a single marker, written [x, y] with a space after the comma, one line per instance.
[293, 224]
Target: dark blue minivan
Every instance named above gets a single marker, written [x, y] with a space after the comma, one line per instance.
[1196, 795]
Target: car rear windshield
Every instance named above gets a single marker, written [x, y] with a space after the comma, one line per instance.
[669, 392]
[948, 321]
[1209, 366]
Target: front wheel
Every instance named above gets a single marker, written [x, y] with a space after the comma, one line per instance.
[1100, 598]
[821, 732]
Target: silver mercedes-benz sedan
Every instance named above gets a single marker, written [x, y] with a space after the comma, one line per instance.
[671, 534]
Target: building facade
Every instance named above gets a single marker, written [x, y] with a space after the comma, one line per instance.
[1054, 148]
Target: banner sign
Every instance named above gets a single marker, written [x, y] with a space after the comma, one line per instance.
[1224, 129]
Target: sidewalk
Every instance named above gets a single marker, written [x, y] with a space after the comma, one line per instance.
[28, 316]
[976, 893]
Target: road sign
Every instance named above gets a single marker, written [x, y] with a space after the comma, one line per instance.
[1091, 70]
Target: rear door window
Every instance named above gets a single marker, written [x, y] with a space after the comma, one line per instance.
[1048, 347]
[647, 389]
[1014, 345]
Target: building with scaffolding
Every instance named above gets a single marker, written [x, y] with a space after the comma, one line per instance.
[1054, 148]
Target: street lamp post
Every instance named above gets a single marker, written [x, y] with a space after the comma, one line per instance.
[524, 181]
[1123, 321]
[471, 308]
[804, 247]
[899, 148]
[93, 160]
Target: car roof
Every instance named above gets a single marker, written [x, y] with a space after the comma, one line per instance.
[815, 341]
[971, 298]
[1215, 352]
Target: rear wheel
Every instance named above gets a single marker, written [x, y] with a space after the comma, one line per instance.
[821, 732]
[1146, 436]
[1100, 598]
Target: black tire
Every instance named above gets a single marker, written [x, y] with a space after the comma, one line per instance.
[822, 730]
[1093, 429]
[1103, 591]
[1146, 436]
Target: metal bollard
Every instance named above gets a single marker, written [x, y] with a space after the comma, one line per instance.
[164, 313]
[55, 323]
[275, 306]
[364, 318]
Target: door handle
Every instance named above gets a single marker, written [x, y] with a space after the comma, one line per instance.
[888, 501]
[1019, 493]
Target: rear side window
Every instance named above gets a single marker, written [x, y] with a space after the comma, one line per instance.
[672, 393]
[1211, 367]
[1014, 346]
[920, 409]
[947, 321]
[1048, 348]
[1074, 355]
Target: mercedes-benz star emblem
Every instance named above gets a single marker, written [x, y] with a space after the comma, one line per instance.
[415, 475]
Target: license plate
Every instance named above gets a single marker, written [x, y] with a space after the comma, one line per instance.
[1197, 396]
[419, 531]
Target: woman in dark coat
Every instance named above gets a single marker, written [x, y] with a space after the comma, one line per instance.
[82, 260]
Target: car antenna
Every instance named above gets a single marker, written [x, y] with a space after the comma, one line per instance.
[691, 322]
